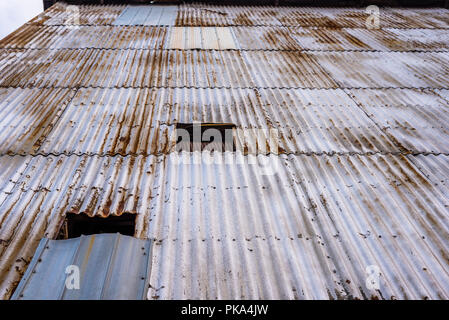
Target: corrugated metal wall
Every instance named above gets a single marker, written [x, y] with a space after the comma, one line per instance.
[360, 177]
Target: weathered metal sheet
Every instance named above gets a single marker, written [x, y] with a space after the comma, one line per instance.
[409, 39]
[359, 39]
[64, 14]
[313, 228]
[155, 15]
[103, 261]
[202, 15]
[43, 189]
[209, 15]
[112, 122]
[28, 116]
[265, 38]
[435, 168]
[123, 68]
[336, 214]
[213, 38]
[419, 18]
[415, 119]
[44, 68]
[173, 68]
[141, 121]
[386, 69]
[101, 37]
[287, 70]
[353, 184]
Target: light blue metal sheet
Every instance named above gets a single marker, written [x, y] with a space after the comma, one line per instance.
[126, 16]
[168, 16]
[111, 266]
[142, 14]
[148, 15]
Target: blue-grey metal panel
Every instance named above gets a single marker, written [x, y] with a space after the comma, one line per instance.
[148, 15]
[142, 14]
[126, 16]
[111, 266]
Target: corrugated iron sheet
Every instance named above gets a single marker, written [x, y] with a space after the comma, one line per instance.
[361, 39]
[416, 120]
[28, 116]
[386, 69]
[316, 226]
[62, 14]
[218, 38]
[103, 37]
[360, 178]
[147, 15]
[103, 261]
[125, 68]
[141, 121]
[212, 38]
[334, 214]
[202, 15]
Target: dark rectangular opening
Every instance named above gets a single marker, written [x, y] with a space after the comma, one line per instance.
[205, 136]
[76, 225]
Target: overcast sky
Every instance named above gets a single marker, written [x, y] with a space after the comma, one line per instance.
[14, 13]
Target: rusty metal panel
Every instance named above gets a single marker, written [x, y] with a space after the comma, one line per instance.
[435, 168]
[285, 69]
[335, 214]
[172, 68]
[212, 38]
[141, 121]
[360, 178]
[123, 68]
[62, 14]
[265, 38]
[313, 228]
[44, 188]
[418, 18]
[407, 39]
[110, 122]
[347, 39]
[28, 116]
[386, 69]
[415, 119]
[44, 68]
[101, 37]
[103, 261]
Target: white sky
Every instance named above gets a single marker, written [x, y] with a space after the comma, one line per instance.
[14, 13]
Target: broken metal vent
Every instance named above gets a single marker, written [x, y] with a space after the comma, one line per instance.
[76, 225]
[217, 137]
[102, 266]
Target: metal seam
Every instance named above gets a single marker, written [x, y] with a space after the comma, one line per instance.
[157, 154]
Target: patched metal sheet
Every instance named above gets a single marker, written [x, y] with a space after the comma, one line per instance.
[63, 14]
[313, 228]
[360, 176]
[346, 17]
[148, 15]
[215, 38]
[109, 266]
[102, 37]
[386, 69]
[336, 214]
[28, 116]
[141, 121]
[415, 119]
[285, 69]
